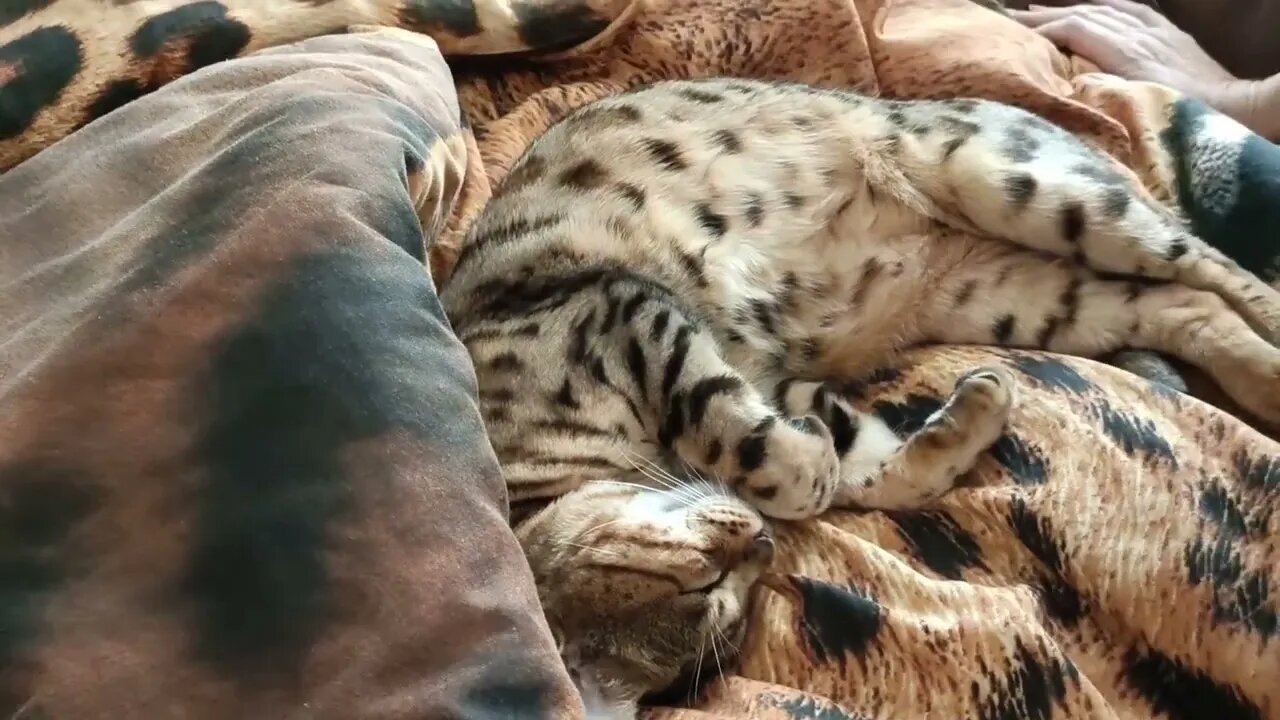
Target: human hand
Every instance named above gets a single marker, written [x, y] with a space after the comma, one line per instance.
[1132, 41]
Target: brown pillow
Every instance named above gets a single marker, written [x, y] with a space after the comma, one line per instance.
[242, 471]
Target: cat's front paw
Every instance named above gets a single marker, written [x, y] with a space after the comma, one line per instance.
[790, 468]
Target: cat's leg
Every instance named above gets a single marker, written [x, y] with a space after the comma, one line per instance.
[882, 471]
[1009, 174]
[1002, 296]
[708, 414]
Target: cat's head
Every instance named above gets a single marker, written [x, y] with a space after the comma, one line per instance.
[642, 585]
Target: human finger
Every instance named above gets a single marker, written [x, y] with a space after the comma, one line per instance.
[1090, 40]
[1038, 16]
[1145, 13]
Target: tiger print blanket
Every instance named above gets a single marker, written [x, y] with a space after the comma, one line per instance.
[240, 463]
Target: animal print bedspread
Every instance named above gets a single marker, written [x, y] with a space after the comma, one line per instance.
[1114, 557]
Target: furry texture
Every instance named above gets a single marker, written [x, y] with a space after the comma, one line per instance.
[681, 276]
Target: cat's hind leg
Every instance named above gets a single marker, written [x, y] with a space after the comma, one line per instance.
[882, 470]
[1006, 173]
[1000, 295]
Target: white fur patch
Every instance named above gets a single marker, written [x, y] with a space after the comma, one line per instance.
[876, 442]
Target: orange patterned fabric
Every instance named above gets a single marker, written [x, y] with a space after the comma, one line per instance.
[1113, 556]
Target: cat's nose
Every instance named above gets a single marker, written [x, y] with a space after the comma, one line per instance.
[762, 548]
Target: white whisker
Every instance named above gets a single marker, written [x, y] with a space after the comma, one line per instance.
[591, 548]
[716, 652]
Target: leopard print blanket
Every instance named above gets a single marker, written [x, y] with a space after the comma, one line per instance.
[1113, 557]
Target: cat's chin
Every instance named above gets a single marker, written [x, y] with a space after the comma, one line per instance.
[606, 702]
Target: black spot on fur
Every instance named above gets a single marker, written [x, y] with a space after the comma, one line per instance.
[1102, 173]
[939, 541]
[871, 269]
[764, 311]
[506, 362]
[1023, 462]
[598, 371]
[1133, 434]
[966, 293]
[632, 306]
[844, 431]
[1181, 693]
[1032, 690]
[213, 36]
[1053, 373]
[792, 200]
[961, 130]
[564, 397]
[1073, 222]
[754, 210]
[838, 621]
[693, 265]
[1019, 188]
[909, 415]
[713, 223]
[43, 63]
[1019, 145]
[714, 451]
[612, 308]
[704, 390]
[498, 395]
[1176, 249]
[581, 340]
[1002, 330]
[659, 328]
[528, 170]
[699, 96]
[437, 17]
[1115, 202]
[1260, 472]
[585, 175]
[606, 115]
[751, 450]
[727, 140]
[1061, 599]
[503, 299]
[556, 26]
[673, 425]
[633, 194]
[41, 506]
[666, 153]
[637, 366]
[486, 237]
[676, 360]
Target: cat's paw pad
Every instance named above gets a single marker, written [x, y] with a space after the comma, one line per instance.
[790, 468]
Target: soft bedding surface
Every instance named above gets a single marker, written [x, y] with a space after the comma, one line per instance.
[242, 473]
[1114, 557]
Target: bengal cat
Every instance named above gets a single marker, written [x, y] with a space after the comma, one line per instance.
[668, 278]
